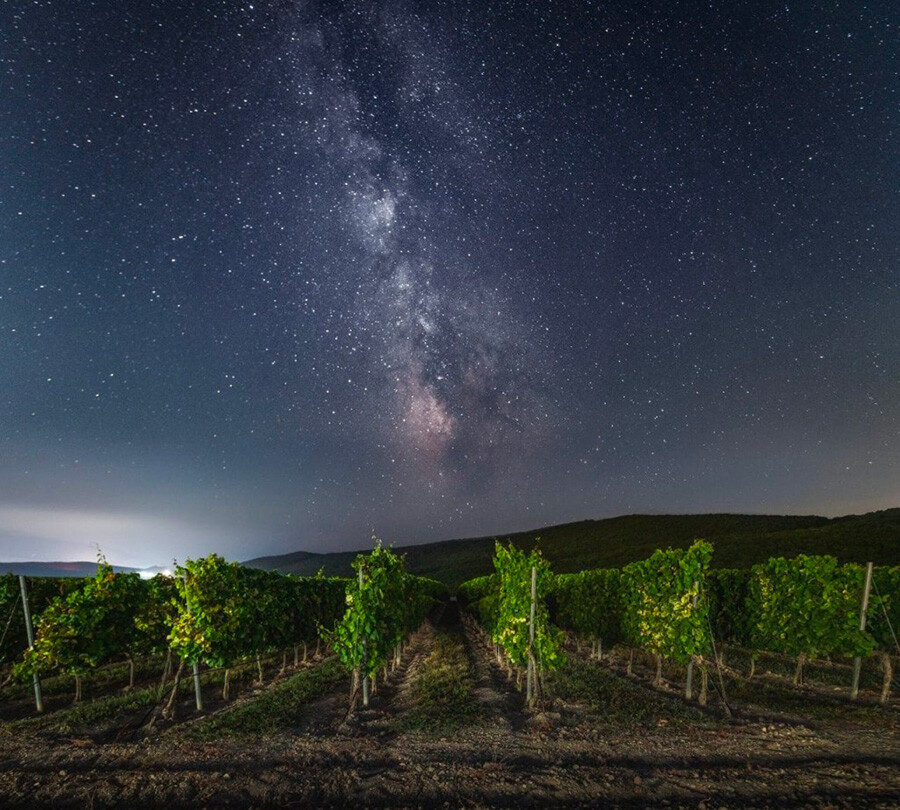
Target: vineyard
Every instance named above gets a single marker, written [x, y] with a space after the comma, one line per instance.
[522, 668]
[676, 609]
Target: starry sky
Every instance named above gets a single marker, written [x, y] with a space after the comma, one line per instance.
[276, 274]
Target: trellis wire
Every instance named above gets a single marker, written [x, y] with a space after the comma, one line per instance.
[9, 620]
[887, 618]
[890, 626]
[712, 640]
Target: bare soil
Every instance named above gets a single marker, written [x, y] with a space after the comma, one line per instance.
[617, 742]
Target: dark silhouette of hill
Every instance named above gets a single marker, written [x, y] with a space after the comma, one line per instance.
[739, 541]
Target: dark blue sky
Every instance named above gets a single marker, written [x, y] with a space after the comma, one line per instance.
[273, 275]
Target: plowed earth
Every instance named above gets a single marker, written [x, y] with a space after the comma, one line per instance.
[602, 738]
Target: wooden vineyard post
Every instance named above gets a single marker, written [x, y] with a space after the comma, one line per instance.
[29, 631]
[365, 685]
[198, 697]
[531, 686]
[365, 677]
[689, 681]
[857, 661]
[197, 694]
[167, 669]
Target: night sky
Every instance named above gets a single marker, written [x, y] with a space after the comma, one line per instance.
[274, 275]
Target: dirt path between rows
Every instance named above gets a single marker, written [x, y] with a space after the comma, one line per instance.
[568, 755]
[327, 716]
[492, 689]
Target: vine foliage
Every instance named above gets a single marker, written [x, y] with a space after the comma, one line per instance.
[384, 604]
[503, 605]
[808, 606]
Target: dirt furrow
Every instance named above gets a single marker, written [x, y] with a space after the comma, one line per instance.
[331, 713]
[493, 690]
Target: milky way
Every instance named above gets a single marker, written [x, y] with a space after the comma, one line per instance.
[444, 352]
[275, 275]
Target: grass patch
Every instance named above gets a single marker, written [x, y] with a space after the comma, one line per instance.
[79, 717]
[442, 688]
[86, 714]
[275, 707]
[835, 674]
[784, 699]
[114, 675]
[617, 700]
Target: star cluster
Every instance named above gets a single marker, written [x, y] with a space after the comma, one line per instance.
[275, 274]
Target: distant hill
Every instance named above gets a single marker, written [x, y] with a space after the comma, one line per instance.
[739, 541]
[57, 569]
